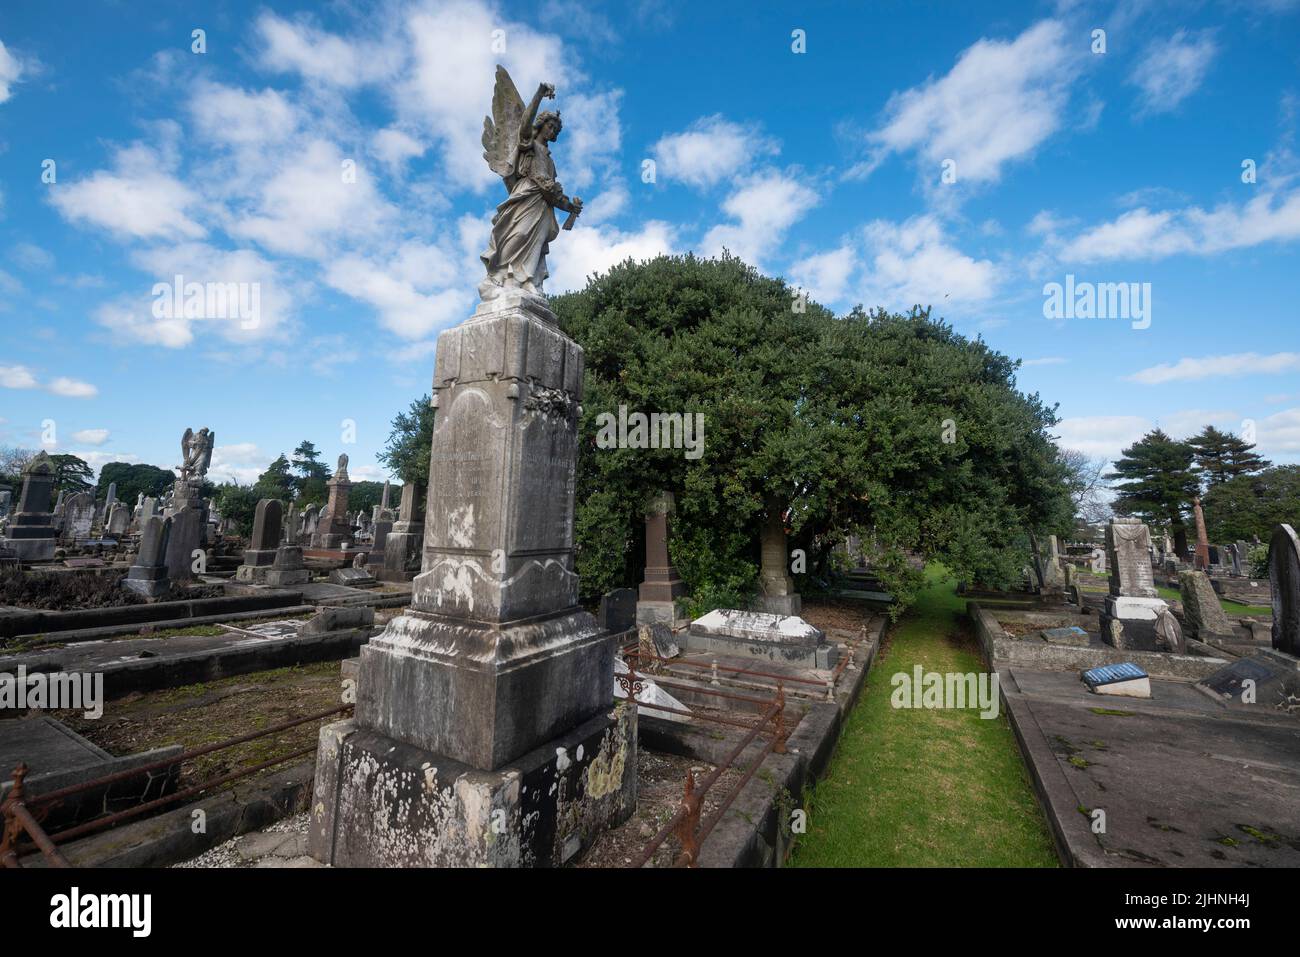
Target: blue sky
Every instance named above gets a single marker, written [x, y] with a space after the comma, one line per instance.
[825, 166]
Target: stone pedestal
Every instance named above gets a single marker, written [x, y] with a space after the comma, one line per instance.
[464, 701]
[288, 568]
[31, 531]
[1133, 606]
[264, 543]
[657, 597]
[776, 594]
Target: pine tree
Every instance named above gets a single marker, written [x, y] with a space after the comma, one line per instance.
[1222, 455]
[1156, 482]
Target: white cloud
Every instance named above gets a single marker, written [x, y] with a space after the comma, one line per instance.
[11, 69]
[140, 199]
[826, 275]
[1143, 234]
[1044, 361]
[17, 377]
[1101, 435]
[764, 207]
[72, 388]
[710, 150]
[319, 56]
[1279, 432]
[999, 103]
[597, 248]
[242, 462]
[32, 257]
[914, 263]
[236, 117]
[91, 436]
[1171, 70]
[1242, 363]
[394, 148]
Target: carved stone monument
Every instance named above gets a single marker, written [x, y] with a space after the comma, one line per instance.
[334, 528]
[1133, 606]
[484, 732]
[662, 587]
[1202, 610]
[404, 544]
[261, 551]
[30, 531]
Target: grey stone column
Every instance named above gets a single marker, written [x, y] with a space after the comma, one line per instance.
[494, 656]
[775, 586]
[31, 531]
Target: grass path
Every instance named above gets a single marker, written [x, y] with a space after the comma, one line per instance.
[925, 788]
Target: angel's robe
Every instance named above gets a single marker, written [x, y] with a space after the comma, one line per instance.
[524, 224]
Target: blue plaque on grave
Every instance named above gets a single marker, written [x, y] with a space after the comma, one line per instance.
[1112, 674]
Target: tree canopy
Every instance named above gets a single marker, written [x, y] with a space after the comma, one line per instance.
[1221, 456]
[893, 426]
[134, 480]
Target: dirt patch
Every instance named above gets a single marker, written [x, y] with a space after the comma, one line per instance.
[1019, 629]
[829, 613]
[207, 713]
[660, 779]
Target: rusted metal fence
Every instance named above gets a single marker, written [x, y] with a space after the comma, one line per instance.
[688, 824]
[22, 813]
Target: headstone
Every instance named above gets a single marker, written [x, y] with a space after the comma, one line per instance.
[288, 567]
[310, 520]
[776, 592]
[1133, 604]
[657, 600]
[189, 523]
[617, 610]
[264, 542]
[1202, 610]
[1073, 635]
[30, 531]
[1284, 579]
[118, 521]
[657, 639]
[652, 700]
[79, 515]
[148, 576]
[404, 544]
[334, 530]
[758, 634]
[353, 577]
[1243, 552]
[1202, 561]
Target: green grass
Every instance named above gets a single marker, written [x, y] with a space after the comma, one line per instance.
[1231, 607]
[925, 788]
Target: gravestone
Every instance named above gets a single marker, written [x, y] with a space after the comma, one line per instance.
[758, 634]
[1237, 561]
[617, 610]
[1128, 620]
[118, 521]
[189, 524]
[1243, 551]
[262, 545]
[30, 532]
[1202, 560]
[403, 547]
[775, 586]
[310, 520]
[78, 516]
[657, 598]
[288, 568]
[334, 529]
[148, 576]
[1284, 580]
[1170, 634]
[1202, 610]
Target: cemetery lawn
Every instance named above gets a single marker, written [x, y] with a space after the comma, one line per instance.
[925, 788]
[1231, 607]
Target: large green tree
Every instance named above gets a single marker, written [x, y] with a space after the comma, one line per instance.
[1248, 506]
[312, 474]
[1155, 480]
[134, 480]
[893, 426]
[277, 481]
[1221, 456]
[72, 474]
[407, 451]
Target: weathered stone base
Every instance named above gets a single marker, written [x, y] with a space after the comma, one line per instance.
[655, 612]
[382, 803]
[488, 693]
[149, 588]
[1138, 617]
[279, 577]
[32, 549]
[791, 604]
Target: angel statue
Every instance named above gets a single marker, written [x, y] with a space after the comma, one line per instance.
[515, 145]
[196, 452]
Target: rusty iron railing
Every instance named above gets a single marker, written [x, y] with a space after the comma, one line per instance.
[688, 825]
[22, 813]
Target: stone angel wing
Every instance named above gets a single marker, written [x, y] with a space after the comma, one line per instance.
[501, 129]
[187, 444]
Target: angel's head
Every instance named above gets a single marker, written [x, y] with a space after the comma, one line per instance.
[547, 126]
